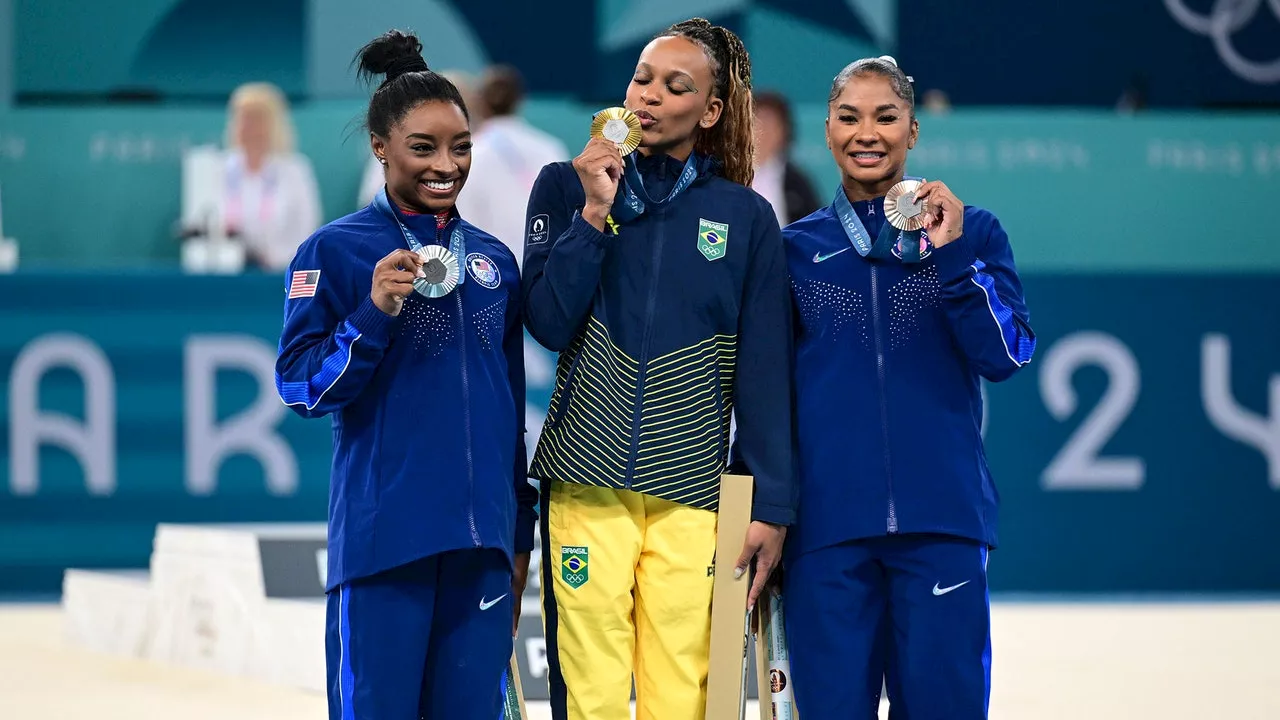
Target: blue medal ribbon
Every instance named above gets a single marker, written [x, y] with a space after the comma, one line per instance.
[457, 240]
[882, 248]
[635, 200]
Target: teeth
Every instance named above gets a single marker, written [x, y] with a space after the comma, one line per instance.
[442, 186]
[868, 155]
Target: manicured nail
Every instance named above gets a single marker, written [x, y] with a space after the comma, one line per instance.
[737, 572]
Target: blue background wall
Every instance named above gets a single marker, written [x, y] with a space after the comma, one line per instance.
[1081, 53]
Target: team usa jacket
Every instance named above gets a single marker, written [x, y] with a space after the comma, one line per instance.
[427, 406]
[889, 361]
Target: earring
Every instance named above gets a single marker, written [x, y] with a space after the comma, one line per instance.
[382, 160]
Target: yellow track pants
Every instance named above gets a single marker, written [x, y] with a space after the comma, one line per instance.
[626, 589]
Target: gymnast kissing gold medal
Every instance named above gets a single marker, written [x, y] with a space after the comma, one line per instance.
[441, 269]
[901, 208]
[618, 125]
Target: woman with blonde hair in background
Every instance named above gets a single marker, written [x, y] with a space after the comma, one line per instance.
[269, 198]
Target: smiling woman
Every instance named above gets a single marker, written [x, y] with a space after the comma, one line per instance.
[419, 126]
[402, 321]
[887, 569]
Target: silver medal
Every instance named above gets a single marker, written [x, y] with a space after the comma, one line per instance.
[441, 269]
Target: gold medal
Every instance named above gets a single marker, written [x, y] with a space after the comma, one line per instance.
[441, 269]
[618, 125]
[901, 208]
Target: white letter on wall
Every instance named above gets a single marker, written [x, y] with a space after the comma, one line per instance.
[251, 432]
[93, 442]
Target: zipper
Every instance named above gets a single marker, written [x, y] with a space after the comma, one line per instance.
[466, 401]
[891, 522]
[656, 265]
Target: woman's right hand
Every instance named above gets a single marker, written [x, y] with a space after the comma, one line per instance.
[393, 280]
[599, 170]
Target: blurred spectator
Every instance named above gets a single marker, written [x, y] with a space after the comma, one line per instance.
[266, 195]
[935, 102]
[778, 179]
[373, 178]
[1134, 97]
[507, 155]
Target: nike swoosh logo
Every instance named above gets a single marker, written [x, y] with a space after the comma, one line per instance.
[819, 257]
[944, 591]
[486, 605]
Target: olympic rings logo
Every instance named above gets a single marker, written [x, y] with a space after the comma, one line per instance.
[1226, 18]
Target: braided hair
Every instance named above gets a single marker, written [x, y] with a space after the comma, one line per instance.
[407, 81]
[732, 138]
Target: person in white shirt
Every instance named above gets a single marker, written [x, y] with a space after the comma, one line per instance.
[506, 156]
[270, 199]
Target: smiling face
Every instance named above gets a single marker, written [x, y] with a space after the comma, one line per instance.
[428, 156]
[673, 94]
[869, 130]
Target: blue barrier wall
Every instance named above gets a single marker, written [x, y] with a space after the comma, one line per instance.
[1140, 451]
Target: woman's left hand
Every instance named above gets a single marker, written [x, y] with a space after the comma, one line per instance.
[764, 543]
[944, 218]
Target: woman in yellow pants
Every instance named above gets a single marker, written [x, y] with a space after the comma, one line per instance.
[660, 278]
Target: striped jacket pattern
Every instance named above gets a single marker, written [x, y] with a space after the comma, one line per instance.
[667, 327]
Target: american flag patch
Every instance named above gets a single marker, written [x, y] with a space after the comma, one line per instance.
[304, 284]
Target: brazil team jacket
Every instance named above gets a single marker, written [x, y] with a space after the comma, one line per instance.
[427, 406]
[665, 330]
[889, 360]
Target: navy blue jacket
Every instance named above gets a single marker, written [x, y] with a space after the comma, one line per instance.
[665, 331]
[889, 361]
[427, 406]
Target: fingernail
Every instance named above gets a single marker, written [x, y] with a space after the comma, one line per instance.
[737, 572]
[751, 607]
[420, 273]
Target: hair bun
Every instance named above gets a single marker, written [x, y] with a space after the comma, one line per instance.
[392, 54]
[890, 59]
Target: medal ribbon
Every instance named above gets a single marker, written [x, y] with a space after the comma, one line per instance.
[885, 240]
[635, 201]
[457, 241]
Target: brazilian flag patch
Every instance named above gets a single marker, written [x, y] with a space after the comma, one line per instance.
[573, 566]
[713, 239]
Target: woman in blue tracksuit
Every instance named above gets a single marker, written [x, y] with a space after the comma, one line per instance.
[402, 321]
[886, 565]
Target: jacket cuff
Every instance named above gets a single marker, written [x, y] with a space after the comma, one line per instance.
[954, 259]
[372, 322]
[526, 519]
[587, 231]
[774, 514]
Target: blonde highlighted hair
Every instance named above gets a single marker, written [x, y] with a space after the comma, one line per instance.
[270, 99]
